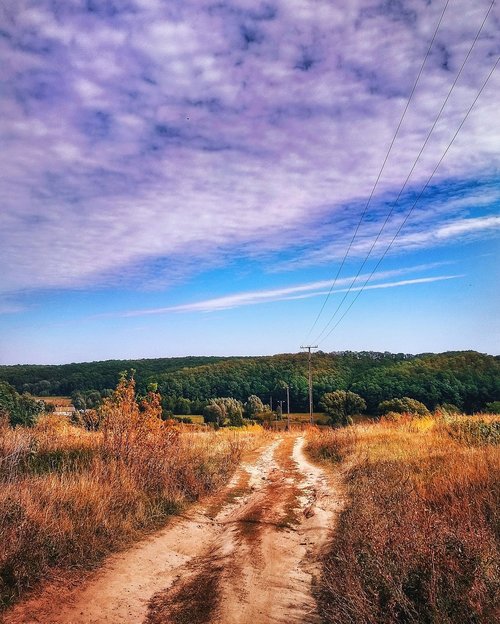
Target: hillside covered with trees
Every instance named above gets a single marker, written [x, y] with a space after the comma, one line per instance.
[64, 379]
[466, 379]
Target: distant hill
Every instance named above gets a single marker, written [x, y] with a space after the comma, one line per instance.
[466, 378]
[63, 379]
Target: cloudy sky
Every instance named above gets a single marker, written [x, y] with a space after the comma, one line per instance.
[189, 176]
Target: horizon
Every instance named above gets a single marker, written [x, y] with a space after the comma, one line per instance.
[265, 355]
[232, 177]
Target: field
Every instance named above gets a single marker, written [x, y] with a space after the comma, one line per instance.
[58, 401]
[69, 496]
[418, 540]
[295, 419]
[398, 520]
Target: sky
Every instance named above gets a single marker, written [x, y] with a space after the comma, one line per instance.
[202, 177]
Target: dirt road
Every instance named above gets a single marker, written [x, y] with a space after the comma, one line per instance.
[248, 555]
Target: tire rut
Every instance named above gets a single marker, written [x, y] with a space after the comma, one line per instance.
[247, 554]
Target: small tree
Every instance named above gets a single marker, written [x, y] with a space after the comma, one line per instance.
[213, 413]
[341, 405]
[21, 409]
[405, 405]
[224, 410]
[253, 406]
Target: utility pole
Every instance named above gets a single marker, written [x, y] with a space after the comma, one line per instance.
[308, 348]
[288, 405]
[280, 409]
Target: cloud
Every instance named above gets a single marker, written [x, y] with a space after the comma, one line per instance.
[423, 231]
[301, 291]
[138, 132]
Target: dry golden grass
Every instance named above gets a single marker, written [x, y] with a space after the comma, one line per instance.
[419, 538]
[68, 496]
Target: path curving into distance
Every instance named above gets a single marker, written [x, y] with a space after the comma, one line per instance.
[247, 554]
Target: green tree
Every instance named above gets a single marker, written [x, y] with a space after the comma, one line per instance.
[214, 413]
[341, 405]
[224, 410]
[253, 406]
[493, 407]
[20, 409]
[405, 405]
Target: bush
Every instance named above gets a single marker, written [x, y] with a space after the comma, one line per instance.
[20, 409]
[341, 405]
[493, 407]
[253, 406]
[475, 431]
[406, 405]
[224, 410]
[69, 496]
[448, 409]
[392, 417]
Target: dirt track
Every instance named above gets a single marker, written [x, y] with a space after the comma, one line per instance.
[246, 556]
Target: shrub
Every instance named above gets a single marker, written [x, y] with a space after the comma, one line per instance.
[330, 444]
[20, 409]
[69, 496]
[493, 407]
[448, 409]
[224, 410]
[405, 405]
[253, 406]
[474, 431]
[392, 417]
[341, 405]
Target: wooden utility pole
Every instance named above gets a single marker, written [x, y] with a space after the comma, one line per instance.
[288, 405]
[280, 409]
[308, 348]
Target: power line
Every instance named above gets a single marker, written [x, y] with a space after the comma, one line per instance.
[395, 203]
[382, 168]
[416, 201]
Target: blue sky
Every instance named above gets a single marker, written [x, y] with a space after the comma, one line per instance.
[186, 177]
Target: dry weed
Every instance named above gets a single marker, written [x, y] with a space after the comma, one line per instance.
[419, 539]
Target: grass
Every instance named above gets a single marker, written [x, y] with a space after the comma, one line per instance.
[319, 417]
[68, 497]
[59, 401]
[418, 540]
[196, 419]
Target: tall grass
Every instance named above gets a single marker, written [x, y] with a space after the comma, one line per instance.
[419, 539]
[68, 496]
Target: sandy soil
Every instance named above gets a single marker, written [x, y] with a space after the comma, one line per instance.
[247, 555]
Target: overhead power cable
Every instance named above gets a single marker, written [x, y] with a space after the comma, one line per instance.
[415, 202]
[382, 168]
[395, 203]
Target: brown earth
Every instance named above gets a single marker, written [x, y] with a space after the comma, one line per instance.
[247, 555]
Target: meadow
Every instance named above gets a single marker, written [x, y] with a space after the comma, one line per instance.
[419, 537]
[69, 497]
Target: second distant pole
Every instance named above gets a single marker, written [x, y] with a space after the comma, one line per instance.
[308, 348]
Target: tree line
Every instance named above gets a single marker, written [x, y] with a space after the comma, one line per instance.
[466, 379]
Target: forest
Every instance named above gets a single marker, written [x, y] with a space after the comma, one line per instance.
[466, 379]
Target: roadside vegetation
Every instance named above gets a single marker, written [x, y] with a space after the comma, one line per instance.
[419, 537]
[71, 494]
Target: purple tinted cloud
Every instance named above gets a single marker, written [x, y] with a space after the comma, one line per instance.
[135, 130]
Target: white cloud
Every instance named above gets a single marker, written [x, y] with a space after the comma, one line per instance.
[302, 291]
[186, 132]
